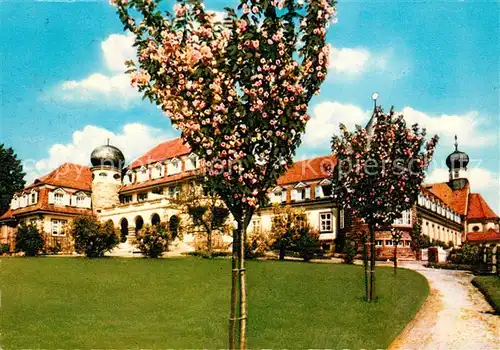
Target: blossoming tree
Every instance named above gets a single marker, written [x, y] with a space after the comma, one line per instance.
[238, 91]
[380, 172]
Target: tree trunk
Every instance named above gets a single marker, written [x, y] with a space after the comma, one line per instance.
[365, 264]
[282, 251]
[396, 257]
[372, 262]
[234, 289]
[209, 242]
[243, 290]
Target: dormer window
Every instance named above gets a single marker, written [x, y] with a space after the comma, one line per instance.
[33, 197]
[142, 175]
[15, 202]
[157, 171]
[174, 166]
[323, 189]
[192, 162]
[301, 192]
[174, 192]
[405, 219]
[59, 198]
[129, 177]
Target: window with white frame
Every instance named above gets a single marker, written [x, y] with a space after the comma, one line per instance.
[255, 225]
[58, 227]
[325, 222]
[129, 177]
[81, 200]
[192, 162]
[388, 242]
[15, 202]
[301, 192]
[405, 219]
[323, 189]
[142, 174]
[157, 171]
[276, 195]
[24, 200]
[59, 198]
[174, 166]
[33, 197]
[379, 242]
[141, 197]
[421, 200]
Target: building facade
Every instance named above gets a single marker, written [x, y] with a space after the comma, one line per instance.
[145, 192]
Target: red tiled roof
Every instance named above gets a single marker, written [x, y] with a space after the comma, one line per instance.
[479, 209]
[308, 170]
[161, 181]
[67, 175]
[42, 205]
[490, 235]
[166, 150]
[457, 199]
[7, 215]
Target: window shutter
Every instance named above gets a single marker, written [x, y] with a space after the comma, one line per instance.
[73, 201]
[294, 195]
[87, 202]
[308, 192]
[51, 197]
[318, 192]
[66, 199]
[283, 195]
[341, 218]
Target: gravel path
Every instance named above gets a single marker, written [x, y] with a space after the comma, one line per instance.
[455, 316]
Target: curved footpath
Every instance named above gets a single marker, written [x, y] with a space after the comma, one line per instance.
[455, 316]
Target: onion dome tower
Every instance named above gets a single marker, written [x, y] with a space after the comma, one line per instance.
[107, 163]
[457, 163]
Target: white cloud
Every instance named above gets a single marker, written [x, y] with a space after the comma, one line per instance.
[325, 119]
[481, 180]
[111, 88]
[114, 89]
[468, 127]
[117, 49]
[219, 15]
[133, 140]
[356, 61]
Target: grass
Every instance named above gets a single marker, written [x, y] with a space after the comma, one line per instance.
[490, 287]
[50, 302]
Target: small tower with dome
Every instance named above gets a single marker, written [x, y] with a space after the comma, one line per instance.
[457, 163]
[107, 163]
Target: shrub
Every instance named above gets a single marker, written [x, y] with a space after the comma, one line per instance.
[258, 244]
[307, 245]
[152, 241]
[4, 249]
[468, 254]
[93, 238]
[28, 240]
[350, 250]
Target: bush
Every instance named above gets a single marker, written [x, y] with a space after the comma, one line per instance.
[468, 254]
[152, 241]
[28, 240]
[93, 238]
[350, 250]
[307, 245]
[258, 244]
[4, 249]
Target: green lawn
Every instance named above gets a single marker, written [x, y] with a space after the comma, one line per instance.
[50, 302]
[490, 286]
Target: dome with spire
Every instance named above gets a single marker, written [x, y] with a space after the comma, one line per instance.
[457, 159]
[107, 155]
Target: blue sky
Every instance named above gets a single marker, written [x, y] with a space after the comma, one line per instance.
[62, 91]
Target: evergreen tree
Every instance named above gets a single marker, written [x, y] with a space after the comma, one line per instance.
[11, 177]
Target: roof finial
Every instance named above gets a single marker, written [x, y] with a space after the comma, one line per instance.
[456, 143]
[108, 141]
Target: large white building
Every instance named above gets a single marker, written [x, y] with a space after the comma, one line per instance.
[142, 192]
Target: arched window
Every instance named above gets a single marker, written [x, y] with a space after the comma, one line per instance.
[139, 223]
[123, 230]
[155, 219]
